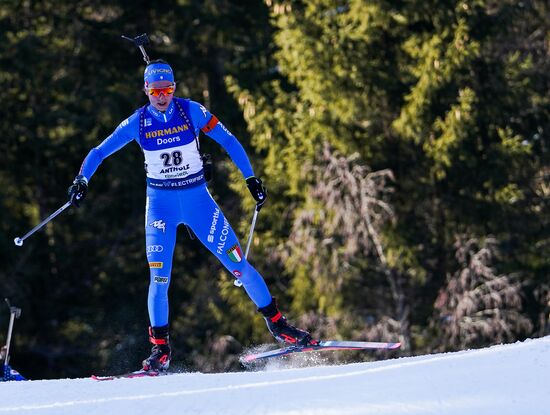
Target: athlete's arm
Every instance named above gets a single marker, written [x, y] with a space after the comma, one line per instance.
[127, 131]
[202, 119]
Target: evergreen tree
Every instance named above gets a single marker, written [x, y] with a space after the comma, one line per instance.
[432, 91]
[69, 81]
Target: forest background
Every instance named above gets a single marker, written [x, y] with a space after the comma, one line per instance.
[404, 145]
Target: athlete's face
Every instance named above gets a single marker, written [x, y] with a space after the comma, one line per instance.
[160, 94]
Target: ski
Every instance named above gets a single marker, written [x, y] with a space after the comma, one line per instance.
[321, 346]
[130, 375]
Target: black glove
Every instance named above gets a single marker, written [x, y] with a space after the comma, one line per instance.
[78, 190]
[258, 191]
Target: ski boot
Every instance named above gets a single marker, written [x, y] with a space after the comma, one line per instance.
[160, 353]
[281, 330]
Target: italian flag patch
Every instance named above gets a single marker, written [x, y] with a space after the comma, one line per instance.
[235, 254]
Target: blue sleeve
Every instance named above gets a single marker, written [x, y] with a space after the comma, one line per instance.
[200, 117]
[127, 131]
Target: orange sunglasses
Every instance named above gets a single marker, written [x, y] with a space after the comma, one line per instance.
[166, 90]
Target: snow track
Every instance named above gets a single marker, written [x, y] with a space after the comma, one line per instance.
[506, 379]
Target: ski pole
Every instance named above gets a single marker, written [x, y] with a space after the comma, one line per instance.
[14, 313]
[139, 41]
[238, 282]
[19, 241]
[252, 226]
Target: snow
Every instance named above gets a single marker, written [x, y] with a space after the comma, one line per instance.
[505, 379]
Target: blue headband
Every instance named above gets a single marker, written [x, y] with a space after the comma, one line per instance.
[158, 72]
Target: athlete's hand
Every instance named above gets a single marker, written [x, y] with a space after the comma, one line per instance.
[78, 190]
[258, 191]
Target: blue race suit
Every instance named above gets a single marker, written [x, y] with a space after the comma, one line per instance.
[177, 193]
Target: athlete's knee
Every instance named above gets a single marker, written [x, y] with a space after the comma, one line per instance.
[246, 272]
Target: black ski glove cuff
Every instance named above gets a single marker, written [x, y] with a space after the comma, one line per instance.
[257, 190]
[78, 190]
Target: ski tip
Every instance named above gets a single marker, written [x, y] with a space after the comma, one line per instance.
[100, 378]
[130, 375]
[248, 358]
[395, 346]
